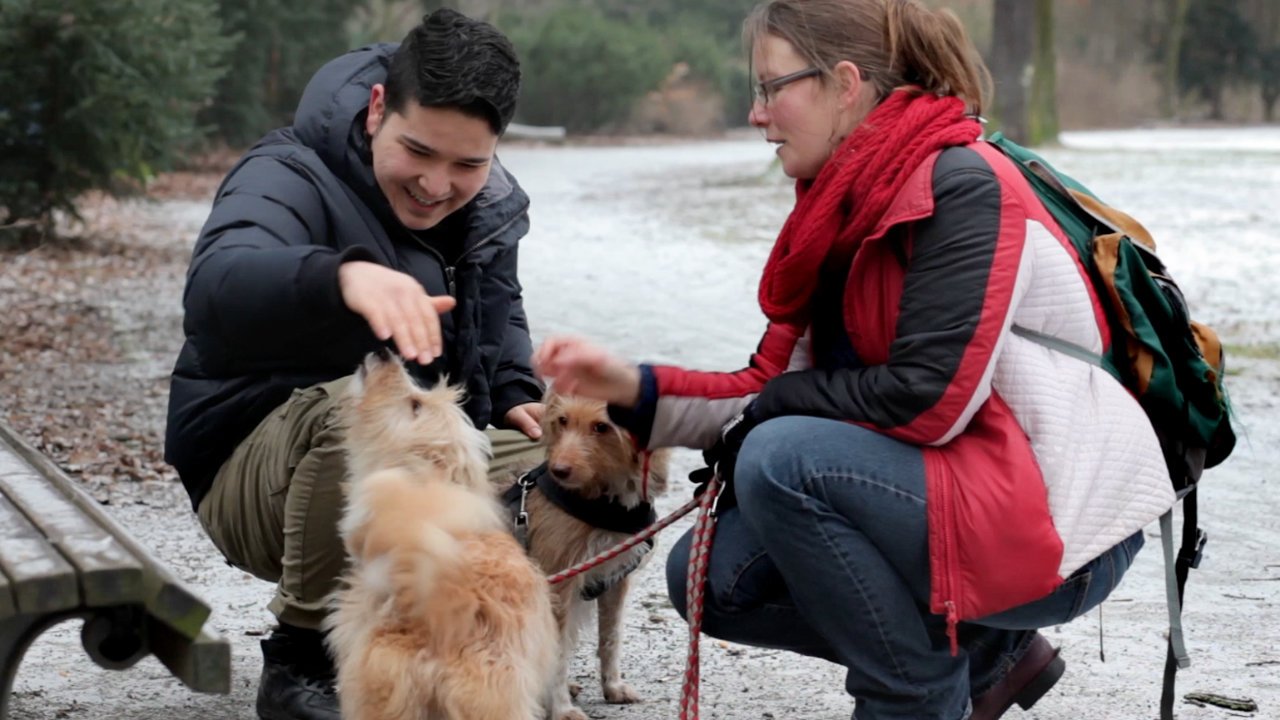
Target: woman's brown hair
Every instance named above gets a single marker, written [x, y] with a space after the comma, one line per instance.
[894, 43]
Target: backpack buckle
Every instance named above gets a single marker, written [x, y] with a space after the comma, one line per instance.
[1193, 557]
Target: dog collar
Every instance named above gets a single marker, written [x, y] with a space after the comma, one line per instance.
[602, 512]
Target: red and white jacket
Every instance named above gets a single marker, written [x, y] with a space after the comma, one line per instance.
[1036, 461]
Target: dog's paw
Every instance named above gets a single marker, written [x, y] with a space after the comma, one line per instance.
[575, 689]
[572, 713]
[620, 693]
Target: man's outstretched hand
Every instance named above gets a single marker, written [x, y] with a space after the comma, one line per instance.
[396, 307]
[527, 418]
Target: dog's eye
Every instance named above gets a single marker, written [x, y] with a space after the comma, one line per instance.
[601, 428]
[415, 405]
[562, 421]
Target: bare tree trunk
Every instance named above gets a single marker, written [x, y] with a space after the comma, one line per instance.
[1042, 121]
[1265, 15]
[1174, 33]
[1012, 45]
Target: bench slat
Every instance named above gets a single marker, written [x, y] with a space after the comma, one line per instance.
[7, 608]
[202, 664]
[42, 581]
[166, 598]
[108, 573]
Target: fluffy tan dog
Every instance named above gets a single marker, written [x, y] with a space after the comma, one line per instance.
[442, 615]
[595, 461]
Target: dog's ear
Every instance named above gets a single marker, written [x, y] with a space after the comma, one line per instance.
[552, 404]
[659, 472]
[550, 396]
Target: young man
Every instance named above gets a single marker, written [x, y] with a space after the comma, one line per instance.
[380, 217]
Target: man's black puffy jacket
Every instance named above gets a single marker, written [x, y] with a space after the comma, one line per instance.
[264, 314]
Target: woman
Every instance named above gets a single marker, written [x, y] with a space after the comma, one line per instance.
[919, 488]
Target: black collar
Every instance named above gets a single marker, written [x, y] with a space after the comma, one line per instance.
[602, 512]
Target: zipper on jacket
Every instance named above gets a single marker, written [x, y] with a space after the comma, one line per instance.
[451, 270]
[948, 568]
[953, 621]
[448, 269]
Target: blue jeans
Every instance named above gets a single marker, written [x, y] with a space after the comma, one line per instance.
[826, 554]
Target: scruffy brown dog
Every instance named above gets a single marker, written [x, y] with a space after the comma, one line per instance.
[442, 616]
[593, 468]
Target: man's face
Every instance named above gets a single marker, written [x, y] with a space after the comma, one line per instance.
[428, 161]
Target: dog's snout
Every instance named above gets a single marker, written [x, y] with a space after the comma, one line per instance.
[561, 471]
[373, 361]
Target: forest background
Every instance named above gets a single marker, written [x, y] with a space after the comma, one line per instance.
[107, 95]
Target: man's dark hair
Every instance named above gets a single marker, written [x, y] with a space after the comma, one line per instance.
[453, 61]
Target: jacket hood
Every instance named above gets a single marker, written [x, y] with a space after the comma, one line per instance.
[330, 120]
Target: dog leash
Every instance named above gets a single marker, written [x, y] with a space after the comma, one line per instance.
[695, 581]
[695, 586]
[522, 523]
[625, 545]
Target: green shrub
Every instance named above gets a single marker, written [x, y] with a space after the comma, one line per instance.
[583, 70]
[281, 43]
[720, 62]
[1220, 51]
[94, 91]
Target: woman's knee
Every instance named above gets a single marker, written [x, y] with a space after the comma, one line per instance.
[678, 574]
[766, 463]
[715, 621]
[739, 576]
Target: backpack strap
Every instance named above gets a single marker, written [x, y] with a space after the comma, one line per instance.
[1176, 571]
[1173, 587]
[1058, 344]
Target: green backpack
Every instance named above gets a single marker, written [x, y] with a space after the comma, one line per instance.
[1173, 365]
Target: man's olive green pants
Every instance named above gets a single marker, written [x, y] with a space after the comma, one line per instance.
[274, 506]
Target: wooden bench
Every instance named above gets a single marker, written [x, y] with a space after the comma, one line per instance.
[62, 557]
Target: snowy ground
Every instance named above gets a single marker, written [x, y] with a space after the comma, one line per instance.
[656, 251]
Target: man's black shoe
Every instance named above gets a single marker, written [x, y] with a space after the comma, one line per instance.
[297, 677]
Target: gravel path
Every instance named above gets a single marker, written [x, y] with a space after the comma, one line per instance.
[87, 337]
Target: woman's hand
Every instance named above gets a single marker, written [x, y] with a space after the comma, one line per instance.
[578, 367]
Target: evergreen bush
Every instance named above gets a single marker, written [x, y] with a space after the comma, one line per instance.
[281, 43]
[96, 91]
[582, 70]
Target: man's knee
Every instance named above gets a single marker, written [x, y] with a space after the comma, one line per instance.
[512, 454]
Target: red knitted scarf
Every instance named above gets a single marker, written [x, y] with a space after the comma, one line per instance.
[836, 210]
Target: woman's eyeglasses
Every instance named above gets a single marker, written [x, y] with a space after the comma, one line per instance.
[763, 92]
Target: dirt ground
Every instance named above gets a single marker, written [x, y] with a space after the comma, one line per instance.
[88, 332]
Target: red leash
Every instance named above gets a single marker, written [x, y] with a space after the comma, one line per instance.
[623, 546]
[699, 559]
[695, 585]
[634, 540]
